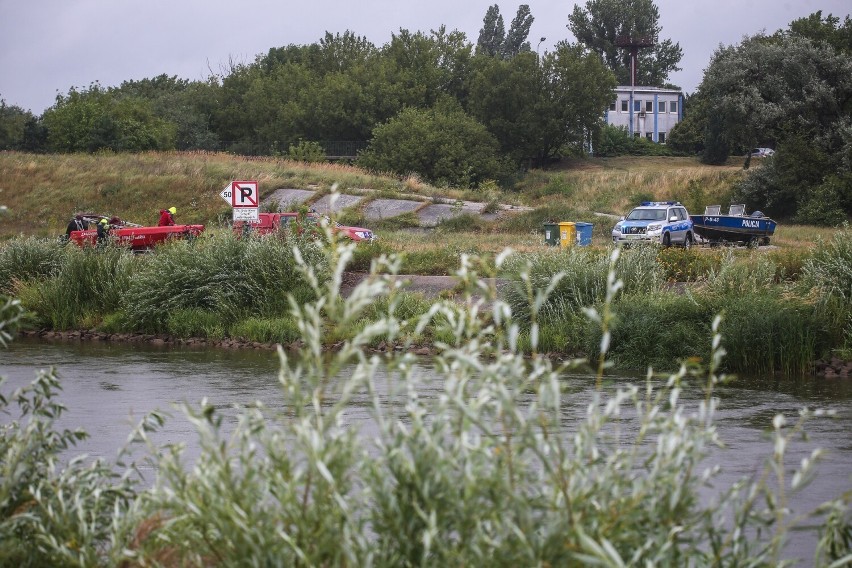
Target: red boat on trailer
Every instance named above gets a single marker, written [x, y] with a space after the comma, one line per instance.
[137, 237]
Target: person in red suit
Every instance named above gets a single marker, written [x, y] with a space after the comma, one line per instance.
[167, 217]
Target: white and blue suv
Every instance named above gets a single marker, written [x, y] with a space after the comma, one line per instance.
[663, 222]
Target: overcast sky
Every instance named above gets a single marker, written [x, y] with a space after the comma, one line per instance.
[49, 46]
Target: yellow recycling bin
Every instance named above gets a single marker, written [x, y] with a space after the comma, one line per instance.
[567, 234]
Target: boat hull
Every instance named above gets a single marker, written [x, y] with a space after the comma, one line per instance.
[138, 238]
[730, 228]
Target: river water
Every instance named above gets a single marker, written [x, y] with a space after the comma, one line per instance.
[107, 387]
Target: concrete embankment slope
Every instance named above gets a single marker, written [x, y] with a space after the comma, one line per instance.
[428, 212]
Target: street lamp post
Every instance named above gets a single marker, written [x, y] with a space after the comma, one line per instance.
[539, 45]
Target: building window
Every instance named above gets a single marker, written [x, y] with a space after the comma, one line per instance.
[661, 107]
[672, 106]
[649, 136]
[635, 135]
[637, 106]
[649, 106]
[624, 105]
[612, 105]
[661, 137]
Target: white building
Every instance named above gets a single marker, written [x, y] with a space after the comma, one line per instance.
[646, 111]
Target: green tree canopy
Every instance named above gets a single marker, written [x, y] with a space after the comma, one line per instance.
[13, 123]
[824, 30]
[516, 40]
[93, 119]
[765, 88]
[538, 109]
[788, 92]
[187, 105]
[493, 33]
[601, 23]
[493, 39]
[443, 145]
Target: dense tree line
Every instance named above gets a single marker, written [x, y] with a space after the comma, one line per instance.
[791, 91]
[429, 103]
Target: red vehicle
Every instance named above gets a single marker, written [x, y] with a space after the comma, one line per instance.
[270, 223]
[137, 237]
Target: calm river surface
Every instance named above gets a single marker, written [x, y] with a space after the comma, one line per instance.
[107, 387]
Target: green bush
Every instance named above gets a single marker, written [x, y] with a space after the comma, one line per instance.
[829, 272]
[444, 146]
[689, 265]
[767, 334]
[830, 267]
[616, 141]
[306, 151]
[735, 276]
[52, 514]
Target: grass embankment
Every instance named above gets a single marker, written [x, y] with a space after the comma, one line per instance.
[43, 191]
[778, 317]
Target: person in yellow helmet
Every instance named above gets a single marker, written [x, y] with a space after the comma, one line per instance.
[103, 232]
[167, 217]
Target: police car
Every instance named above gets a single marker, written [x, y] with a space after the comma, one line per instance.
[664, 222]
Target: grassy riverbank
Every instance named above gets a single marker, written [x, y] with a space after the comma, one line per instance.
[781, 310]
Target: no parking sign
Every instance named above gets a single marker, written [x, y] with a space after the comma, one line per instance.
[243, 196]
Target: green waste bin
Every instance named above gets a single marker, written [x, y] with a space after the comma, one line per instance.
[551, 234]
[584, 233]
[567, 234]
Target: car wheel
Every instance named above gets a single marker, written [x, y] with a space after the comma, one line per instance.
[667, 240]
[687, 242]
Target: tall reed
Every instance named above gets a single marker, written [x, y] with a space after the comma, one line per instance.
[90, 281]
[232, 277]
[830, 267]
[28, 258]
[582, 277]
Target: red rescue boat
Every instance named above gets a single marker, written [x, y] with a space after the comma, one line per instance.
[136, 237]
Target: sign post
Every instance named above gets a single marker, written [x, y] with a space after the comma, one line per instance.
[243, 196]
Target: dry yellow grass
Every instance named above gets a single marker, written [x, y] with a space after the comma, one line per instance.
[612, 185]
[43, 191]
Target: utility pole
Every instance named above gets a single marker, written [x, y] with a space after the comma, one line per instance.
[634, 44]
